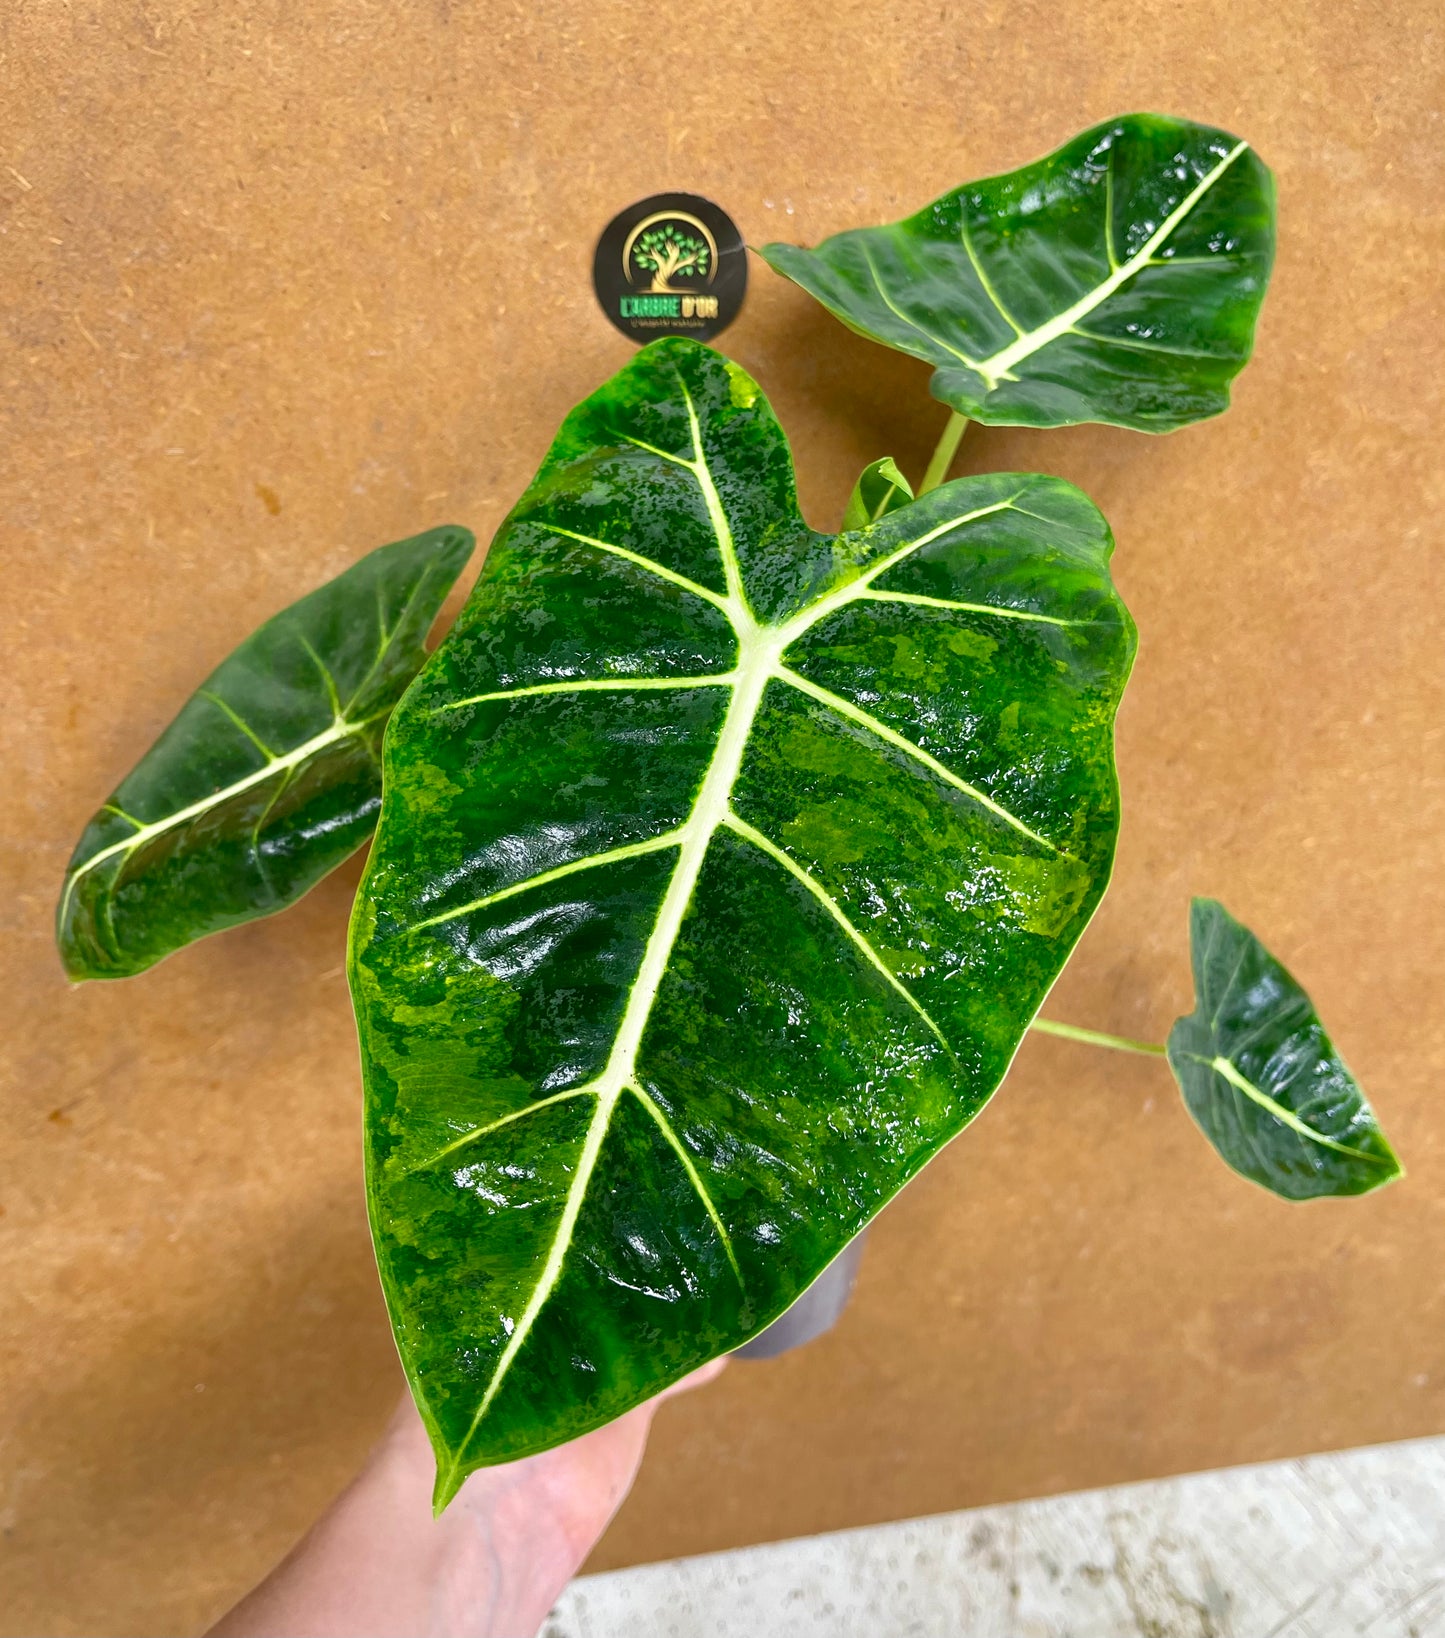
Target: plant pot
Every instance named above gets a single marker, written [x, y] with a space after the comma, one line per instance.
[818, 1309]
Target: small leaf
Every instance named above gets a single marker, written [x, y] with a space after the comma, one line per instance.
[1117, 280]
[881, 488]
[721, 867]
[268, 778]
[1260, 1076]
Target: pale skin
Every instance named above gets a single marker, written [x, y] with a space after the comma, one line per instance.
[377, 1563]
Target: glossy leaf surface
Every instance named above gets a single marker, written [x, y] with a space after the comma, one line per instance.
[881, 488]
[1261, 1077]
[721, 867]
[268, 778]
[1117, 280]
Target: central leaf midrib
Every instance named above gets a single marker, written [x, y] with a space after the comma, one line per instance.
[284, 763]
[759, 662]
[1228, 1072]
[754, 672]
[998, 367]
[757, 656]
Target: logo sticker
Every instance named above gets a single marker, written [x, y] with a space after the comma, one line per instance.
[671, 265]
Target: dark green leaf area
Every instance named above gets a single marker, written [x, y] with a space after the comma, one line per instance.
[462, 1232]
[1010, 541]
[646, 1280]
[1003, 703]
[529, 987]
[738, 930]
[567, 962]
[995, 648]
[269, 777]
[937, 887]
[751, 1039]
[473, 1164]
[1262, 1079]
[552, 612]
[611, 770]
[623, 455]
[1118, 279]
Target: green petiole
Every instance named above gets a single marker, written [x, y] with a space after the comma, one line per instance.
[943, 452]
[1094, 1037]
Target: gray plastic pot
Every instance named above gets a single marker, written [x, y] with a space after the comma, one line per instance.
[818, 1309]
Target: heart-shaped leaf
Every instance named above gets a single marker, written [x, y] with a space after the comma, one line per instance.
[268, 778]
[1260, 1076]
[881, 488]
[1116, 280]
[721, 867]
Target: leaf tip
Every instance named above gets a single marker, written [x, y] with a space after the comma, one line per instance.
[449, 1481]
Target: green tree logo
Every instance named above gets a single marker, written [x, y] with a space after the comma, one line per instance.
[668, 250]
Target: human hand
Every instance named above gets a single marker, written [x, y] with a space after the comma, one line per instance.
[491, 1566]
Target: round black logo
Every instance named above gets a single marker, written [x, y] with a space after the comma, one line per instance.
[671, 265]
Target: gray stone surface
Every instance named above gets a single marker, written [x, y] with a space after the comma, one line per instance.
[1328, 1546]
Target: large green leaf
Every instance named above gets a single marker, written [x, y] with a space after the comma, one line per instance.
[1116, 280]
[1260, 1076]
[268, 778]
[721, 867]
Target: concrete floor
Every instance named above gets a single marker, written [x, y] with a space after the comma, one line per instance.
[1325, 1547]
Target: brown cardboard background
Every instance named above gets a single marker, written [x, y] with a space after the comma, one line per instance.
[282, 283]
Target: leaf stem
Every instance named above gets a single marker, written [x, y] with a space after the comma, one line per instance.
[1094, 1037]
[943, 452]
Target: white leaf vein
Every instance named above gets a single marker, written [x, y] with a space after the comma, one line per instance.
[590, 861]
[999, 366]
[968, 608]
[865, 719]
[1228, 1073]
[677, 1146]
[650, 564]
[584, 685]
[865, 947]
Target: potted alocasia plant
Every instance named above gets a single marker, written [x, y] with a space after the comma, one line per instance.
[722, 864]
